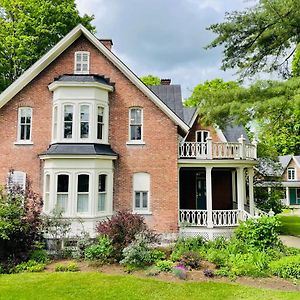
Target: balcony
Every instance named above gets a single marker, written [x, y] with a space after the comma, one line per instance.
[220, 150]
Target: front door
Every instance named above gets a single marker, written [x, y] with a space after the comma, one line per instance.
[200, 191]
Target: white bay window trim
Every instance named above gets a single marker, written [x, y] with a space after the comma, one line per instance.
[24, 131]
[62, 193]
[82, 62]
[83, 193]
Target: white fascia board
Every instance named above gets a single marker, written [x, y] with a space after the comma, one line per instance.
[39, 66]
[56, 84]
[43, 62]
[68, 156]
[295, 160]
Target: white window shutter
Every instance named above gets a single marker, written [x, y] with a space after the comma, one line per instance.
[18, 178]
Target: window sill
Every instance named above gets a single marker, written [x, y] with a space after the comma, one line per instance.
[135, 143]
[21, 143]
[142, 212]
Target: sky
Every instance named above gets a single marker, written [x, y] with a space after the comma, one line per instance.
[165, 38]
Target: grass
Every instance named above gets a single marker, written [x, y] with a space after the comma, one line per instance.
[290, 225]
[101, 286]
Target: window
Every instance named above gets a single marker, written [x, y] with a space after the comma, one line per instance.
[62, 192]
[16, 179]
[291, 174]
[47, 192]
[201, 136]
[24, 127]
[82, 62]
[83, 193]
[84, 121]
[100, 123]
[102, 192]
[141, 190]
[136, 126]
[55, 123]
[68, 121]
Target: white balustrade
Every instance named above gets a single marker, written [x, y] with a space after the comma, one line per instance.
[212, 150]
[244, 215]
[193, 217]
[259, 213]
[225, 217]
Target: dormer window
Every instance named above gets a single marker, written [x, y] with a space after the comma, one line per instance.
[82, 62]
[291, 174]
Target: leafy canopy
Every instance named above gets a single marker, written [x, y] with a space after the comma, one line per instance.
[260, 38]
[150, 80]
[273, 107]
[29, 28]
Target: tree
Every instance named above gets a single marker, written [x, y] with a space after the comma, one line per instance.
[150, 80]
[272, 107]
[29, 28]
[261, 38]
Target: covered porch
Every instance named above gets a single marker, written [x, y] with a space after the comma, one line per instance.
[215, 196]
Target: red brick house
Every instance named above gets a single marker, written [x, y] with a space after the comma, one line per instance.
[92, 139]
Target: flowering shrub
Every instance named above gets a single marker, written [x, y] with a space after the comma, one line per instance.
[180, 271]
[122, 229]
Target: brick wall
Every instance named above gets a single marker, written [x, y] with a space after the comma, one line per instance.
[158, 156]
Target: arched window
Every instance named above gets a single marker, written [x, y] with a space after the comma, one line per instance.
[102, 193]
[141, 191]
[83, 193]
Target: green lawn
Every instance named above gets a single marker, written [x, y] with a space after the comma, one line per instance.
[290, 225]
[100, 286]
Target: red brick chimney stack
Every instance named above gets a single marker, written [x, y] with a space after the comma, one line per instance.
[165, 81]
[107, 43]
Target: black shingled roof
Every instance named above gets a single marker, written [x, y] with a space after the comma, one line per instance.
[80, 149]
[85, 78]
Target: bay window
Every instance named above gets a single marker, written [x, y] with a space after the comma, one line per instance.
[102, 192]
[68, 121]
[83, 193]
[62, 192]
[100, 123]
[84, 121]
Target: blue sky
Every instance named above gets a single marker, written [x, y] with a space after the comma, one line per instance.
[165, 38]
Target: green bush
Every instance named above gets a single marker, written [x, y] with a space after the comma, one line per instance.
[152, 271]
[157, 255]
[30, 266]
[286, 267]
[165, 265]
[260, 233]
[138, 253]
[70, 267]
[100, 251]
[39, 255]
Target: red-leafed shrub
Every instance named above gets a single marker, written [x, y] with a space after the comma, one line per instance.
[122, 228]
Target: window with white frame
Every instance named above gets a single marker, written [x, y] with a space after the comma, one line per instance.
[100, 122]
[84, 121]
[291, 173]
[62, 192]
[68, 121]
[141, 191]
[102, 179]
[55, 122]
[82, 62]
[47, 192]
[201, 136]
[24, 124]
[83, 193]
[135, 124]
[16, 179]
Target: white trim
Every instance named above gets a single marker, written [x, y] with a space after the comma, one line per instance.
[135, 142]
[293, 170]
[141, 186]
[50, 56]
[19, 140]
[56, 84]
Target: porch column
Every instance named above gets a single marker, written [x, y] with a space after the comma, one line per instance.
[287, 196]
[233, 181]
[251, 192]
[240, 188]
[209, 197]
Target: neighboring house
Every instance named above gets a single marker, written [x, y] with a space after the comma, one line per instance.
[92, 138]
[291, 179]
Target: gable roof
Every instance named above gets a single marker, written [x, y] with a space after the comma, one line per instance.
[63, 44]
[233, 132]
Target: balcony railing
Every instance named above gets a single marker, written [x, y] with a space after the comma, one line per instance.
[220, 150]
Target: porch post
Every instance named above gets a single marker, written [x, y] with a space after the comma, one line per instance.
[287, 196]
[233, 181]
[209, 197]
[251, 192]
[240, 188]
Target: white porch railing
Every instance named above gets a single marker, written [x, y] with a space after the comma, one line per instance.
[193, 217]
[220, 218]
[225, 217]
[212, 150]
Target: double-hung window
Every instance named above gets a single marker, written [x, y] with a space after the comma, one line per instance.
[102, 193]
[136, 124]
[62, 192]
[24, 124]
[47, 192]
[82, 62]
[68, 121]
[83, 193]
[141, 190]
[100, 123]
[291, 174]
[84, 121]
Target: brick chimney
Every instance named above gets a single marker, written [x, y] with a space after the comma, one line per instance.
[107, 43]
[165, 81]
